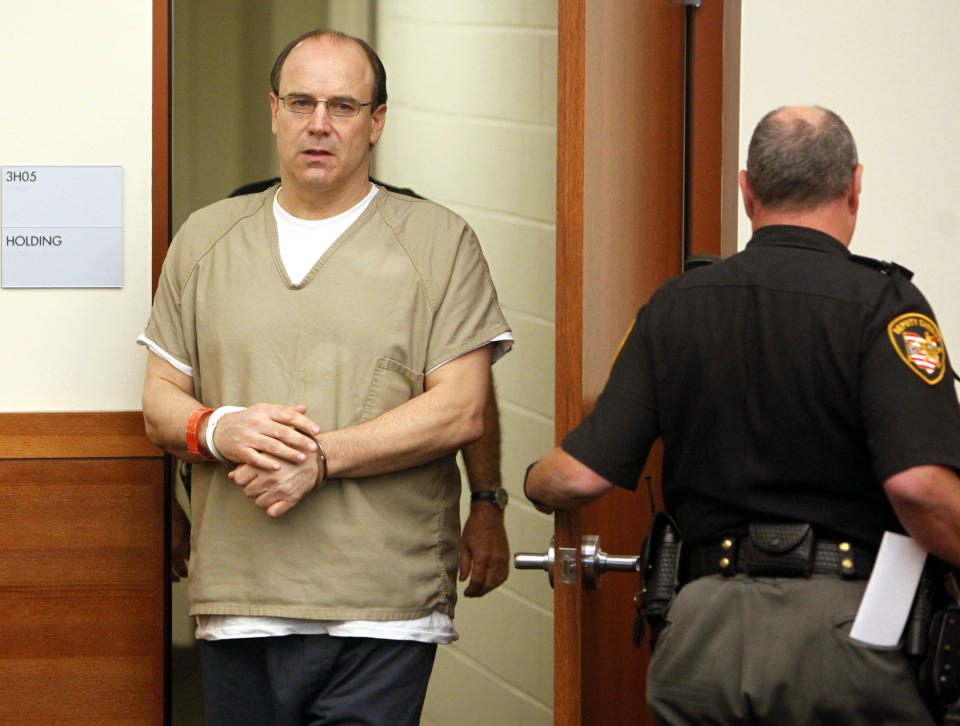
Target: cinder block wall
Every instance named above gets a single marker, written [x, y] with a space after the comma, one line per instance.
[472, 124]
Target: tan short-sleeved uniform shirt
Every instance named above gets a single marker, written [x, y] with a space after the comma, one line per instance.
[404, 289]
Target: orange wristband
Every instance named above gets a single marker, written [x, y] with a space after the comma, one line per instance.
[193, 443]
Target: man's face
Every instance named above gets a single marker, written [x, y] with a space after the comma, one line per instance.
[319, 152]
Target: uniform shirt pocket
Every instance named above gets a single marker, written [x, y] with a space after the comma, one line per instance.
[391, 385]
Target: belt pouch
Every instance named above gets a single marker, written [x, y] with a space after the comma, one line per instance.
[778, 549]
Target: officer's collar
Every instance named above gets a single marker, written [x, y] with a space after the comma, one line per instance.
[788, 235]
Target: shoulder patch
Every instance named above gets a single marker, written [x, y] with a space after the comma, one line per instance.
[918, 342]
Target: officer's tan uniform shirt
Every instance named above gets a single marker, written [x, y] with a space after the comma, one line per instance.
[403, 290]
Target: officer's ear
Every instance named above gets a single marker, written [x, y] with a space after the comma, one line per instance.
[749, 206]
[853, 191]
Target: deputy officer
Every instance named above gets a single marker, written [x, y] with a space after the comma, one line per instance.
[793, 384]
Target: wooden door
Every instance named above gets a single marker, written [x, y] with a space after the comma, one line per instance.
[634, 141]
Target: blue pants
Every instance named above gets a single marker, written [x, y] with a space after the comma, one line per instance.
[314, 680]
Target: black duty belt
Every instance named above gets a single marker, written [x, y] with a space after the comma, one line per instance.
[777, 550]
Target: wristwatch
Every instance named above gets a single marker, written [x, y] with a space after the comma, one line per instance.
[497, 496]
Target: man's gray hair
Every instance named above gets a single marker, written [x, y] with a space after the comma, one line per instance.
[798, 164]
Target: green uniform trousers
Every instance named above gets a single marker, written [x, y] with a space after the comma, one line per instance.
[745, 650]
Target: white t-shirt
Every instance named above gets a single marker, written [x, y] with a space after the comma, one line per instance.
[303, 241]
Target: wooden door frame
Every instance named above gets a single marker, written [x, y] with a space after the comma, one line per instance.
[571, 88]
[160, 173]
[710, 224]
[713, 128]
[161, 150]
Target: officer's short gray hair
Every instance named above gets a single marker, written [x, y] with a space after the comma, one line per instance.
[794, 163]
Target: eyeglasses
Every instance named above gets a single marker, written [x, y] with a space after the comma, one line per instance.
[297, 103]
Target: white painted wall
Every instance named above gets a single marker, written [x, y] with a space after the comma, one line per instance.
[889, 68]
[73, 350]
[471, 123]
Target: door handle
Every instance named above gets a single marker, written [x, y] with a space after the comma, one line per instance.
[533, 561]
[594, 561]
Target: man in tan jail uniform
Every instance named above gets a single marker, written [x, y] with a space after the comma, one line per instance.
[320, 351]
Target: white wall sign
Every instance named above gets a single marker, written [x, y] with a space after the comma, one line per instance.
[62, 226]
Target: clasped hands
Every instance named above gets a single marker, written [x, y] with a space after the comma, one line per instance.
[275, 453]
